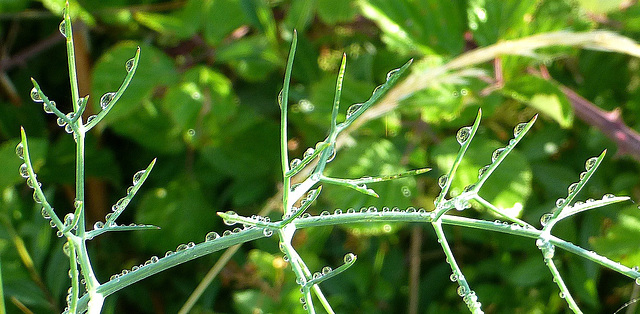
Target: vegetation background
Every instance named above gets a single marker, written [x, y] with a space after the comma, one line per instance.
[204, 103]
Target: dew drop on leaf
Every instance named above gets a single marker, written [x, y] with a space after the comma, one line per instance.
[544, 220]
[482, 171]
[496, 154]
[391, 73]
[294, 163]
[68, 128]
[35, 96]
[462, 291]
[308, 153]
[129, 65]
[23, 171]
[106, 99]
[138, 176]
[20, 150]
[463, 135]
[608, 196]
[98, 225]
[91, 118]
[518, 129]
[559, 202]
[349, 258]
[353, 109]
[267, 232]
[211, 236]
[572, 188]
[181, 247]
[47, 107]
[62, 28]
[442, 180]
[326, 270]
[590, 163]
[60, 122]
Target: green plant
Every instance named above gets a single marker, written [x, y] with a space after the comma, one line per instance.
[311, 167]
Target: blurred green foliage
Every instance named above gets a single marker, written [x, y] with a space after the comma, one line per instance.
[204, 102]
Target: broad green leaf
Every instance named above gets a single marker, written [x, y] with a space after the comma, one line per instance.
[154, 70]
[424, 26]
[219, 23]
[492, 20]
[251, 57]
[508, 187]
[182, 24]
[544, 96]
[202, 104]
[620, 241]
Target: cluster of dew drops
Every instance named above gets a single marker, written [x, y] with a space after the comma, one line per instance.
[560, 202]
[24, 172]
[122, 203]
[105, 100]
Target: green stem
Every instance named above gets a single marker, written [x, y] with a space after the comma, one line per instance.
[564, 291]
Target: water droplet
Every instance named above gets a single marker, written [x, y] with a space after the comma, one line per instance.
[453, 277]
[559, 202]
[462, 291]
[115, 277]
[572, 188]
[226, 233]
[44, 213]
[326, 270]
[122, 203]
[48, 107]
[68, 128]
[463, 135]
[169, 253]
[106, 99]
[306, 215]
[267, 232]
[190, 245]
[59, 233]
[392, 73]
[544, 220]
[349, 258]
[317, 275]
[518, 129]
[280, 98]
[36, 198]
[181, 247]
[442, 181]
[308, 153]
[608, 196]
[138, 176]
[353, 109]
[129, 64]
[62, 28]
[20, 151]
[66, 249]
[638, 281]
[482, 171]
[590, 163]
[294, 163]
[461, 204]
[68, 219]
[35, 96]
[98, 225]
[211, 236]
[468, 188]
[590, 200]
[496, 154]
[154, 259]
[60, 122]
[325, 213]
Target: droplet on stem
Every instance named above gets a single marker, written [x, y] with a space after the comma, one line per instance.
[463, 135]
[20, 150]
[24, 172]
[518, 129]
[106, 99]
[443, 180]
[353, 109]
[138, 176]
[62, 28]
[349, 258]
[496, 154]
[129, 65]
[47, 107]
[35, 96]
[590, 163]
